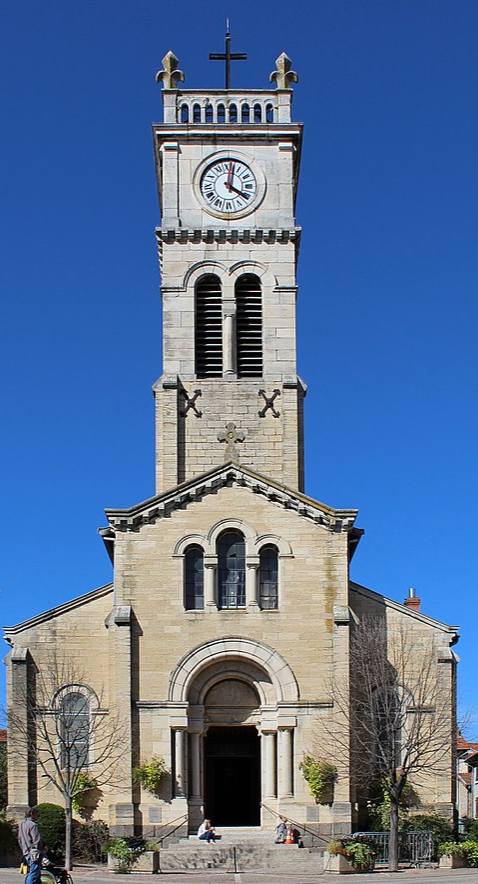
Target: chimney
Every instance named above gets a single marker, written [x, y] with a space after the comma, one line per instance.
[412, 601]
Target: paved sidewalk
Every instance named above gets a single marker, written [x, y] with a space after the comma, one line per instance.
[100, 875]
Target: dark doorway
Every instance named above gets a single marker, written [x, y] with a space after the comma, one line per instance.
[233, 776]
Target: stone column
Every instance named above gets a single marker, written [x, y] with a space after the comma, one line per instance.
[195, 740]
[252, 588]
[210, 568]
[19, 691]
[180, 762]
[270, 787]
[119, 638]
[229, 338]
[285, 769]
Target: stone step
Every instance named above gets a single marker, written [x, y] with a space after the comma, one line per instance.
[228, 858]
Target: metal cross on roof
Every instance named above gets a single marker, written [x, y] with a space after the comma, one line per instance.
[228, 56]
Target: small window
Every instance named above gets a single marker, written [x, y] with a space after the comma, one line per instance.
[221, 113]
[268, 578]
[269, 113]
[196, 113]
[245, 113]
[184, 113]
[209, 116]
[194, 579]
[74, 730]
[257, 113]
[233, 113]
[231, 570]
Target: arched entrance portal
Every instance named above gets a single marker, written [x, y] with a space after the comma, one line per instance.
[233, 776]
[231, 752]
[233, 699]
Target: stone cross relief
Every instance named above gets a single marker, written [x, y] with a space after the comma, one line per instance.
[230, 437]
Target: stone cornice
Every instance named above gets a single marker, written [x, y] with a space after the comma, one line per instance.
[230, 474]
[233, 235]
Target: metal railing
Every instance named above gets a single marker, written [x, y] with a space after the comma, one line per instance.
[415, 848]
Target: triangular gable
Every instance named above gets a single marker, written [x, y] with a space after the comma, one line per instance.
[230, 474]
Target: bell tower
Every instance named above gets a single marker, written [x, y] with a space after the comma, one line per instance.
[227, 164]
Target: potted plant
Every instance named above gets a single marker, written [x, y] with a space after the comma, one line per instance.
[350, 855]
[452, 855]
[124, 853]
[321, 777]
[149, 774]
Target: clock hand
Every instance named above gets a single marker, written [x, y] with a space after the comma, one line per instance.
[229, 176]
[245, 195]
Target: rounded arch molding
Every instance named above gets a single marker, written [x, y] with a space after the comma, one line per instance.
[233, 648]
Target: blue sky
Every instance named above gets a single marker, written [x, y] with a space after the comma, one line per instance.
[388, 308]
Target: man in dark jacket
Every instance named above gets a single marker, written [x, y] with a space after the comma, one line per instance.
[29, 839]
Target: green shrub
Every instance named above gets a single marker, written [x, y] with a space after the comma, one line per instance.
[470, 849]
[472, 830]
[451, 848]
[8, 837]
[89, 841]
[440, 828]
[51, 822]
[320, 775]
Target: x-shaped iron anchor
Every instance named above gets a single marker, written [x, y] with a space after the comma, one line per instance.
[191, 403]
[269, 400]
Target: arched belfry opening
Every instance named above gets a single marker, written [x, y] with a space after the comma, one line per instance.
[232, 754]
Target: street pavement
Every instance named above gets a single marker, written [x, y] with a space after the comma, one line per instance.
[100, 875]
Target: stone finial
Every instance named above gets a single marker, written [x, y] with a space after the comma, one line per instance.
[170, 76]
[283, 76]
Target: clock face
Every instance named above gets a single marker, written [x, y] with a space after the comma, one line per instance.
[228, 186]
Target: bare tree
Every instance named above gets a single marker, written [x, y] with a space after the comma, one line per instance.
[67, 733]
[402, 712]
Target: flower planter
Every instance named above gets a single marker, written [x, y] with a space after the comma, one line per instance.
[338, 864]
[452, 862]
[146, 862]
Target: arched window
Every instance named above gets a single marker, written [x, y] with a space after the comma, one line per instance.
[196, 113]
[257, 113]
[194, 579]
[221, 113]
[269, 113]
[233, 113]
[209, 116]
[268, 578]
[249, 326]
[208, 327]
[231, 570]
[184, 113]
[74, 720]
[245, 113]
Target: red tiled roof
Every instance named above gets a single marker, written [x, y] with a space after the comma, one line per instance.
[3, 736]
[462, 745]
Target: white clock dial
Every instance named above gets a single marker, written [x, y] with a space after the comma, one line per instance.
[228, 185]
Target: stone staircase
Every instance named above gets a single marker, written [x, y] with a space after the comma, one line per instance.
[240, 849]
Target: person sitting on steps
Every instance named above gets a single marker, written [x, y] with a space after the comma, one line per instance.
[281, 830]
[206, 832]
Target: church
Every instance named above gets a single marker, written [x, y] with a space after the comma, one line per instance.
[232, 605]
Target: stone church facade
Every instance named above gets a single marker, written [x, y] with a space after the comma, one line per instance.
[232, 603]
